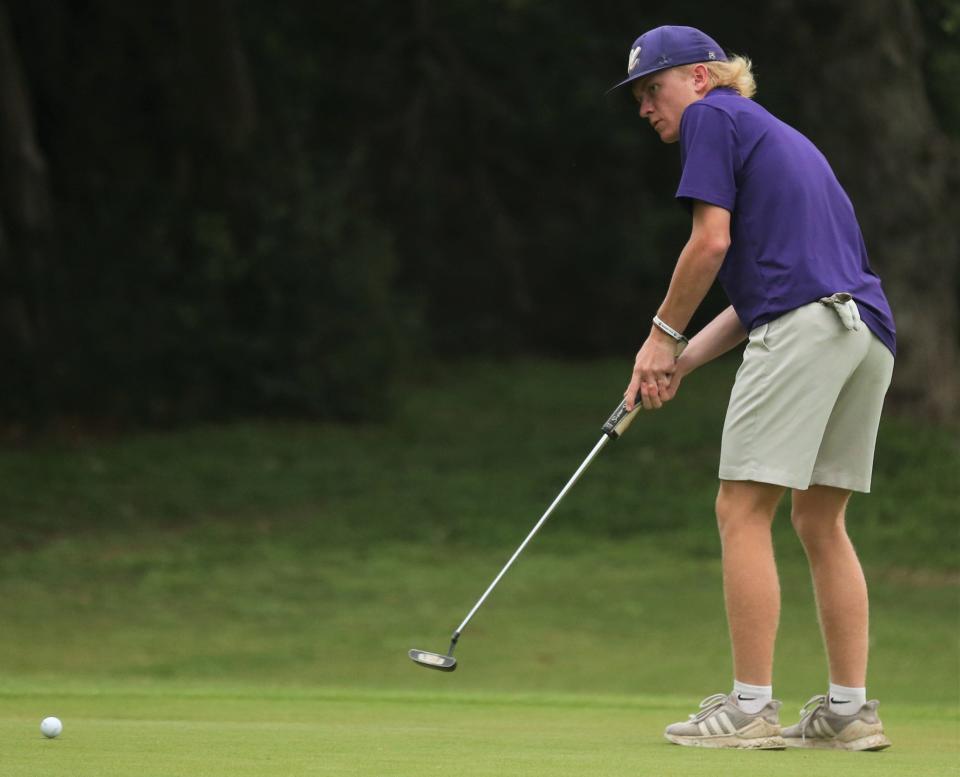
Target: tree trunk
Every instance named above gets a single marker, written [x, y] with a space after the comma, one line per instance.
[863, 92]
[223, 88]
[25, 217]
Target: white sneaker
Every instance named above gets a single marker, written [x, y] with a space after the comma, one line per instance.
[721, 723]
[822, 729]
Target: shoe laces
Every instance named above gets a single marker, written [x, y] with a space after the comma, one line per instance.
[809, 711]
[709, 705]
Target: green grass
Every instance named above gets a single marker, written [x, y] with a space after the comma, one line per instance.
[470, 457]
[624, 617]
[240, 599]
[253, 731]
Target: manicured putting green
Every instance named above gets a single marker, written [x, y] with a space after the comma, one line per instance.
[208, 732]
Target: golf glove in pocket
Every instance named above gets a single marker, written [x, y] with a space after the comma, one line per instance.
[843, 304]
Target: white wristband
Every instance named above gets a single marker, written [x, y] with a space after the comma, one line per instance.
[663, 327]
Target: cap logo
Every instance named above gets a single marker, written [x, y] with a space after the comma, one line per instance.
[634, 58]
[711, 56]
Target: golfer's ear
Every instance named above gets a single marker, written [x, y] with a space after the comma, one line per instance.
[701, 77]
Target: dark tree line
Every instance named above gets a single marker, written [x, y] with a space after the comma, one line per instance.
[213, 208]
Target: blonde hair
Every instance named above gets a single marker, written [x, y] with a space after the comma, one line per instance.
[737, 73]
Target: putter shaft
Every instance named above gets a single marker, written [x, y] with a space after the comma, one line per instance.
[576, 476]
[615, 426]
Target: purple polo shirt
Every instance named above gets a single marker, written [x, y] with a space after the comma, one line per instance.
[794, 235]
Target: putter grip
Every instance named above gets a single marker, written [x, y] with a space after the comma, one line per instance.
[620, 419]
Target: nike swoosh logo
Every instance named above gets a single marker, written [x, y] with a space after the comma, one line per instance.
[835, 701]
[746, 698]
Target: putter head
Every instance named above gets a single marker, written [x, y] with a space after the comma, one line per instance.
[433, 660]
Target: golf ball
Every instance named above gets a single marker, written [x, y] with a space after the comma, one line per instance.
[51, 727]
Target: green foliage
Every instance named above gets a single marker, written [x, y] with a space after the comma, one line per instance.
[265, 209]
[200, 273]
[941, 27]
[291, 312]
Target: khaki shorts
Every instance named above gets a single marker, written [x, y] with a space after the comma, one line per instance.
[806, 403]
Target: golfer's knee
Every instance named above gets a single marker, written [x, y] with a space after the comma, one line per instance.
[726, 512]
[818, 529]
[745, 507]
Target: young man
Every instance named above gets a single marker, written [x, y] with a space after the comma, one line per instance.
[771, 222]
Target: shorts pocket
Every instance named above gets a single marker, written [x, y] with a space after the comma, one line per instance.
[760, 336]
[770, 335]
[772, 330]
[757, 334]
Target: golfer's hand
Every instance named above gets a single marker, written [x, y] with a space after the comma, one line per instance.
[680, 371]
[652, 372]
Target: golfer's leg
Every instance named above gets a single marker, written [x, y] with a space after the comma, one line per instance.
[841, 591]
[751, 590]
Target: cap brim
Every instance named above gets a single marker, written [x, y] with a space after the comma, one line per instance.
[636, 77]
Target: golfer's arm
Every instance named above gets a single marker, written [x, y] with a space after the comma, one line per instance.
[697, 266]
[715, 339]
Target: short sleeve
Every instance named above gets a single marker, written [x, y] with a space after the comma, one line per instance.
[709, 156]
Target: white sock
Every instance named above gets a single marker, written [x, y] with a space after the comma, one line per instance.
[752, 698]
[846, 701]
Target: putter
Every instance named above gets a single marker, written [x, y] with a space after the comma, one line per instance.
[616, 425]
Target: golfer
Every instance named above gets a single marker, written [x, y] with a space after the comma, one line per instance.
[774, 226]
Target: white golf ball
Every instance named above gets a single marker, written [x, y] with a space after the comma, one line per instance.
[51, 727]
